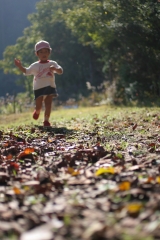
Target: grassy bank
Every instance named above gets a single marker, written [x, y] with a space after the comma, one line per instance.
[62, 115]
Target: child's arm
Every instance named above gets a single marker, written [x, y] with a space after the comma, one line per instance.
[57, 70]
[18, 64]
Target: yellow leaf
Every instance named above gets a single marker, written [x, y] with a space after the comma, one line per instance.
[26, 188]
[72, 171]
[50, 140]
[101, 171]
[124, 186]
[158, 179]
[134, 207]
[16, 190]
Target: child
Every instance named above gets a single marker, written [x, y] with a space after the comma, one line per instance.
[44, 80]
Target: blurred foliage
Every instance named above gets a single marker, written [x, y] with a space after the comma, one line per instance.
[97, 41]
[16, 103]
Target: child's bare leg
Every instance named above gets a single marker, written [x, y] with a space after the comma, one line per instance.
[39, 101]
[48, 106]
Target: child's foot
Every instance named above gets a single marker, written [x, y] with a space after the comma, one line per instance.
[46, 124]
[35, 115]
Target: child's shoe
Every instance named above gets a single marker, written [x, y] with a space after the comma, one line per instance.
[46, 124]
[35, 115]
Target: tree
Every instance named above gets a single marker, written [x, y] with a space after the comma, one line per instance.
[118, 37]
[126, 34]
[79, 62]
[139, 36]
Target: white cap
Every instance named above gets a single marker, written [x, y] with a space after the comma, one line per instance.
[42, 44]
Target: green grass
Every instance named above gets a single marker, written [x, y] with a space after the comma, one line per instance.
[64, 115]
[57, 115]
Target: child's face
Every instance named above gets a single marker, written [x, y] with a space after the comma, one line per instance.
[43, 54]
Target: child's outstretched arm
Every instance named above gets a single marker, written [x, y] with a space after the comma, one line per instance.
[18, 64]
[56, 70]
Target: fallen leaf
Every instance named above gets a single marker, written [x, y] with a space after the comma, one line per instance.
[134, 126]
[26, 152]
[16, 190]
[9, 157]
[101, 171]
[29, 150]
[158, 179]
[72, 171]
[124, 186]
[134, 207]
[14, 165]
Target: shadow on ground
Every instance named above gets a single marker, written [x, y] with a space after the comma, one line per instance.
[56, 130]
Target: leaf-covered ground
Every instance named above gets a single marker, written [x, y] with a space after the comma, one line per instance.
[85, 179]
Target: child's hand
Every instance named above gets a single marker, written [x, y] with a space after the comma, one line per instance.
[17, 62]
[52, 68]
[56, 70]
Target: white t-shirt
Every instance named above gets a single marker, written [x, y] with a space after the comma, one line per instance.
[43, 76]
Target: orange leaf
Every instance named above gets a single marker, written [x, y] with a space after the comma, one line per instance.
[14, 165]
[29, 150]
[21, 154]
[124, 186]
[150, 179]
[16, 190]
[9, 157]
[6, 144]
